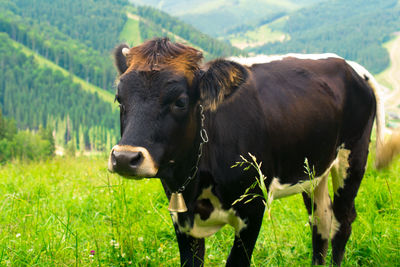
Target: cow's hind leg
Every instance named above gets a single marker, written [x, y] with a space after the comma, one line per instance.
[320, 219]
[346, 186]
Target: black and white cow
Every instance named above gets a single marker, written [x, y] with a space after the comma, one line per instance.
[319, 108]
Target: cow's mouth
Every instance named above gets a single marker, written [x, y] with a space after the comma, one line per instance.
[132, 162]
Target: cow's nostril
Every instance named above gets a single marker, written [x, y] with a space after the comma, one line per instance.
[136, 159]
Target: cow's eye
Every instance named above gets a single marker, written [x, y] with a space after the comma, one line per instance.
[181, 102]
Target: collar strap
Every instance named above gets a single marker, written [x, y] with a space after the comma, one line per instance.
[204, 140]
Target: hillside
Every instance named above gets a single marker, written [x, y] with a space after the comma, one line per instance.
[60, 39]
[43, 62]
[36, 93]
[67, 33]
[355, 30]
[153, 22]
[223, 17]
[390, 79]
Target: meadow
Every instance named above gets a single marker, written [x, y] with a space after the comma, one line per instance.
[72, 212]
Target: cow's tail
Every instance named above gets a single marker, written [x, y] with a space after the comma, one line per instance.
[387, 149]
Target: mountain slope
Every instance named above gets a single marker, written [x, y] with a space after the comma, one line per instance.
[79, 37]
[62, 74]
[43, 62]
[391, 78]
[157, 23]
[355, 30]
[36, 94]
[218, 17]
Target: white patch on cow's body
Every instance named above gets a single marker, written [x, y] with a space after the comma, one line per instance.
[334, 226]
[339, 169]
[277, 190]
[260, 59]
[217, 219]
[317, 186]
[323, 212]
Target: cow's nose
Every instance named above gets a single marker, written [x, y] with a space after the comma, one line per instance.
[132, 162]
[126, 162]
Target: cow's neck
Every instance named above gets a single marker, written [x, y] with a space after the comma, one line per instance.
[183, 176]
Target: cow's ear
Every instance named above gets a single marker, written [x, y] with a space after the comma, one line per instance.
[220, 81]
[120, 56]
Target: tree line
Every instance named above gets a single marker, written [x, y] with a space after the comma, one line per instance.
[24, 145]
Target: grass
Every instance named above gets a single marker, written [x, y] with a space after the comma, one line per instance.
[42, 61]
[60, 212]
[257, 37]
[131, 32]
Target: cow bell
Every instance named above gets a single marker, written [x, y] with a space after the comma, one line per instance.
[177, 203]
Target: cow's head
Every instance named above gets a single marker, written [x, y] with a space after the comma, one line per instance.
[161, 85]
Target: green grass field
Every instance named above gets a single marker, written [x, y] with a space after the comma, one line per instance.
[131, 32]
[72, 212]
[257, 37]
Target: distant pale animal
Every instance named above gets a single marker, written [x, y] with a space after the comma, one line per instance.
[187, 123]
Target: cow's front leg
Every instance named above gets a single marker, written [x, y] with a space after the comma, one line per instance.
[245, 238]
[191, 250]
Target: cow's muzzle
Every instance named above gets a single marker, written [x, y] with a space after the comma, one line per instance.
[132, 162]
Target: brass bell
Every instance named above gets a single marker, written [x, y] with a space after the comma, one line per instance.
[177, 203]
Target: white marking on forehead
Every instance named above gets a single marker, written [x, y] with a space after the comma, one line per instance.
[339, 170]
[217, 219]
[259, 59]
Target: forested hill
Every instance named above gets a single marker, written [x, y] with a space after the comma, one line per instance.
[37, 96]
[354, 29]
[219, 17]
[79, 35]
[75, 39]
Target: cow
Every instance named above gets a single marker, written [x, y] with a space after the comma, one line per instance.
[187, 123]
